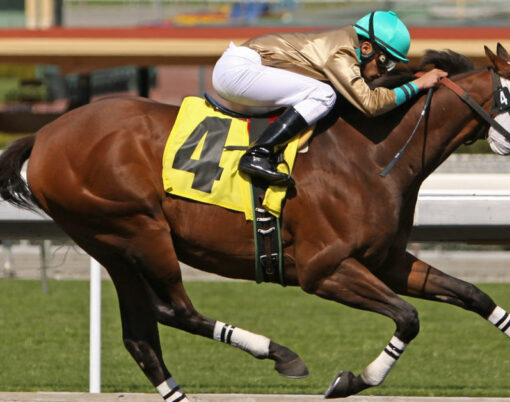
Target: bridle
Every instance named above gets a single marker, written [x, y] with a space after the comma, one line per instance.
[500, 104]
[500, 100]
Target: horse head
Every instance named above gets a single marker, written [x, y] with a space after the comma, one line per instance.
[499, 137]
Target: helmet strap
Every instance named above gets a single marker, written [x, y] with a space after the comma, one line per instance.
[365, 58]
[371, 27]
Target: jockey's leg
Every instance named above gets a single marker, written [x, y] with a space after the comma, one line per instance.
[352, 284]
[416, 278]
[260, 159]
[240, 77]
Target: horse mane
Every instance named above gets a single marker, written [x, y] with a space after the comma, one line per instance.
[448, 60]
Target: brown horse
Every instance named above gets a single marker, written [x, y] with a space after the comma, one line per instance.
[97, 172]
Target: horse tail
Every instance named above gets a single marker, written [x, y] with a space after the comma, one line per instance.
[13, 187]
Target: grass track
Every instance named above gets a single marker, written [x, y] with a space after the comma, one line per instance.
[44, 343]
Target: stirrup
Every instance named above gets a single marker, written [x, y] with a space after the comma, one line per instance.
[280, 179]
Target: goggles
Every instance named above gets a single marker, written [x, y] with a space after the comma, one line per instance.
[385, 62]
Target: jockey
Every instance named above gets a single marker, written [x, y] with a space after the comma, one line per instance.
[302, 70]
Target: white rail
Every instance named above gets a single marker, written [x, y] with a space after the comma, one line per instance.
[464, 208]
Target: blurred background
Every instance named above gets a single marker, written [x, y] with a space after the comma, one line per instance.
[53, 53]
[73, 13]
[59, 54]
[56, 55]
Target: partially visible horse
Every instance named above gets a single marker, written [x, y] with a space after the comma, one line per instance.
[97, 172]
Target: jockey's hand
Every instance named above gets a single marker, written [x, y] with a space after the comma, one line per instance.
[430, 78]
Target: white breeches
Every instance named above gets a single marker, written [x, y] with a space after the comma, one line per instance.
[240, 77]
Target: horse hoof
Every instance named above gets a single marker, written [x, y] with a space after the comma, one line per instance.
[342, 386]
[294, 368]
[287, 363]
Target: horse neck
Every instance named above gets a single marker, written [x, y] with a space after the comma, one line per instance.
[450, 123]
[367, 145]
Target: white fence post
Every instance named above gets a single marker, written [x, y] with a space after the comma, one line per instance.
[95, 328]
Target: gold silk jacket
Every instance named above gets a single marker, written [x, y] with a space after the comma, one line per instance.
[328, 55]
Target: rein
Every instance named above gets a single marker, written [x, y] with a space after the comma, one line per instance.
[399, 154]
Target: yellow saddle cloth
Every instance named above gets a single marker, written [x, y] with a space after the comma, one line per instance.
[197, 163]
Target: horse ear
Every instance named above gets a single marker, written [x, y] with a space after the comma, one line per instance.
[501, 52]
[501, 66]
[490, 55]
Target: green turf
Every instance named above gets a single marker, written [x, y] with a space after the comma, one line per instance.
[44, 343]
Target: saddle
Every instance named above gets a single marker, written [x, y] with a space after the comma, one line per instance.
[229, 112]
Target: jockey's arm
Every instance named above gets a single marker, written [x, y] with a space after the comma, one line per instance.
[343, 71]
[430, 78]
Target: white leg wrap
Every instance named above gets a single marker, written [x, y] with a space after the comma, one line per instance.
[376, 372]
[171, 392]
[257, 345]
[501, 319]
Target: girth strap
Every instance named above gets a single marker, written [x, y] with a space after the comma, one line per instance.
[268, 243]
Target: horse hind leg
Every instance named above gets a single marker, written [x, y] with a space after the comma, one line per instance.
[287, 363]
[143, 264]
[413, 277]
[171, 306]
[139, 326]
[141, 336]
[352, 284]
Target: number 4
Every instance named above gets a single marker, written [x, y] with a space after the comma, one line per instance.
[502, 97]
[207, 168]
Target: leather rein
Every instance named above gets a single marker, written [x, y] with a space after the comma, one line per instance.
[500, 104]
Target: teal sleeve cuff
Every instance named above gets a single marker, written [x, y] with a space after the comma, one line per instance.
[405, 92]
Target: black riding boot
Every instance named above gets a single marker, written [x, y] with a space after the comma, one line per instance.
[260, 159]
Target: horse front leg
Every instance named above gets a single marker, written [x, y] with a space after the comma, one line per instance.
[352, 284]
[416, 278]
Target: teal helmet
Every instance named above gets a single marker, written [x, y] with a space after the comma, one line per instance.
[385, 29]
